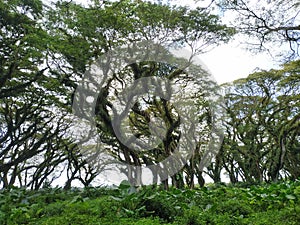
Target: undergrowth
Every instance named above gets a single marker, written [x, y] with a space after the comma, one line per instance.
[215, 204]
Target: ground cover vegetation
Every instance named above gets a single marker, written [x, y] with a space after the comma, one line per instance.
[214, 204]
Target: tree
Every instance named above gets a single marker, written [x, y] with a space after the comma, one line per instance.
[19, 31]
[33, 119]
[168, 26]
[267, 23]
[45, 52]
[261, 125]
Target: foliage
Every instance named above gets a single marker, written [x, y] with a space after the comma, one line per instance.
[213, 204]
[33, 120]
[268, 23]
[262, 126]
[45, 51]
[168, 26]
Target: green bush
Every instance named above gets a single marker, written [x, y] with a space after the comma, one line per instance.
[258, 204]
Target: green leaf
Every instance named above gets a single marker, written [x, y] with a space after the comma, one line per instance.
[290, 197]
[124, 185]
[117, 198]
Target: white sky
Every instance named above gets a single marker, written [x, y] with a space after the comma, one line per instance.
[229, 62]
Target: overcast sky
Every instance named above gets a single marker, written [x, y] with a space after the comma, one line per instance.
[229, 62]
